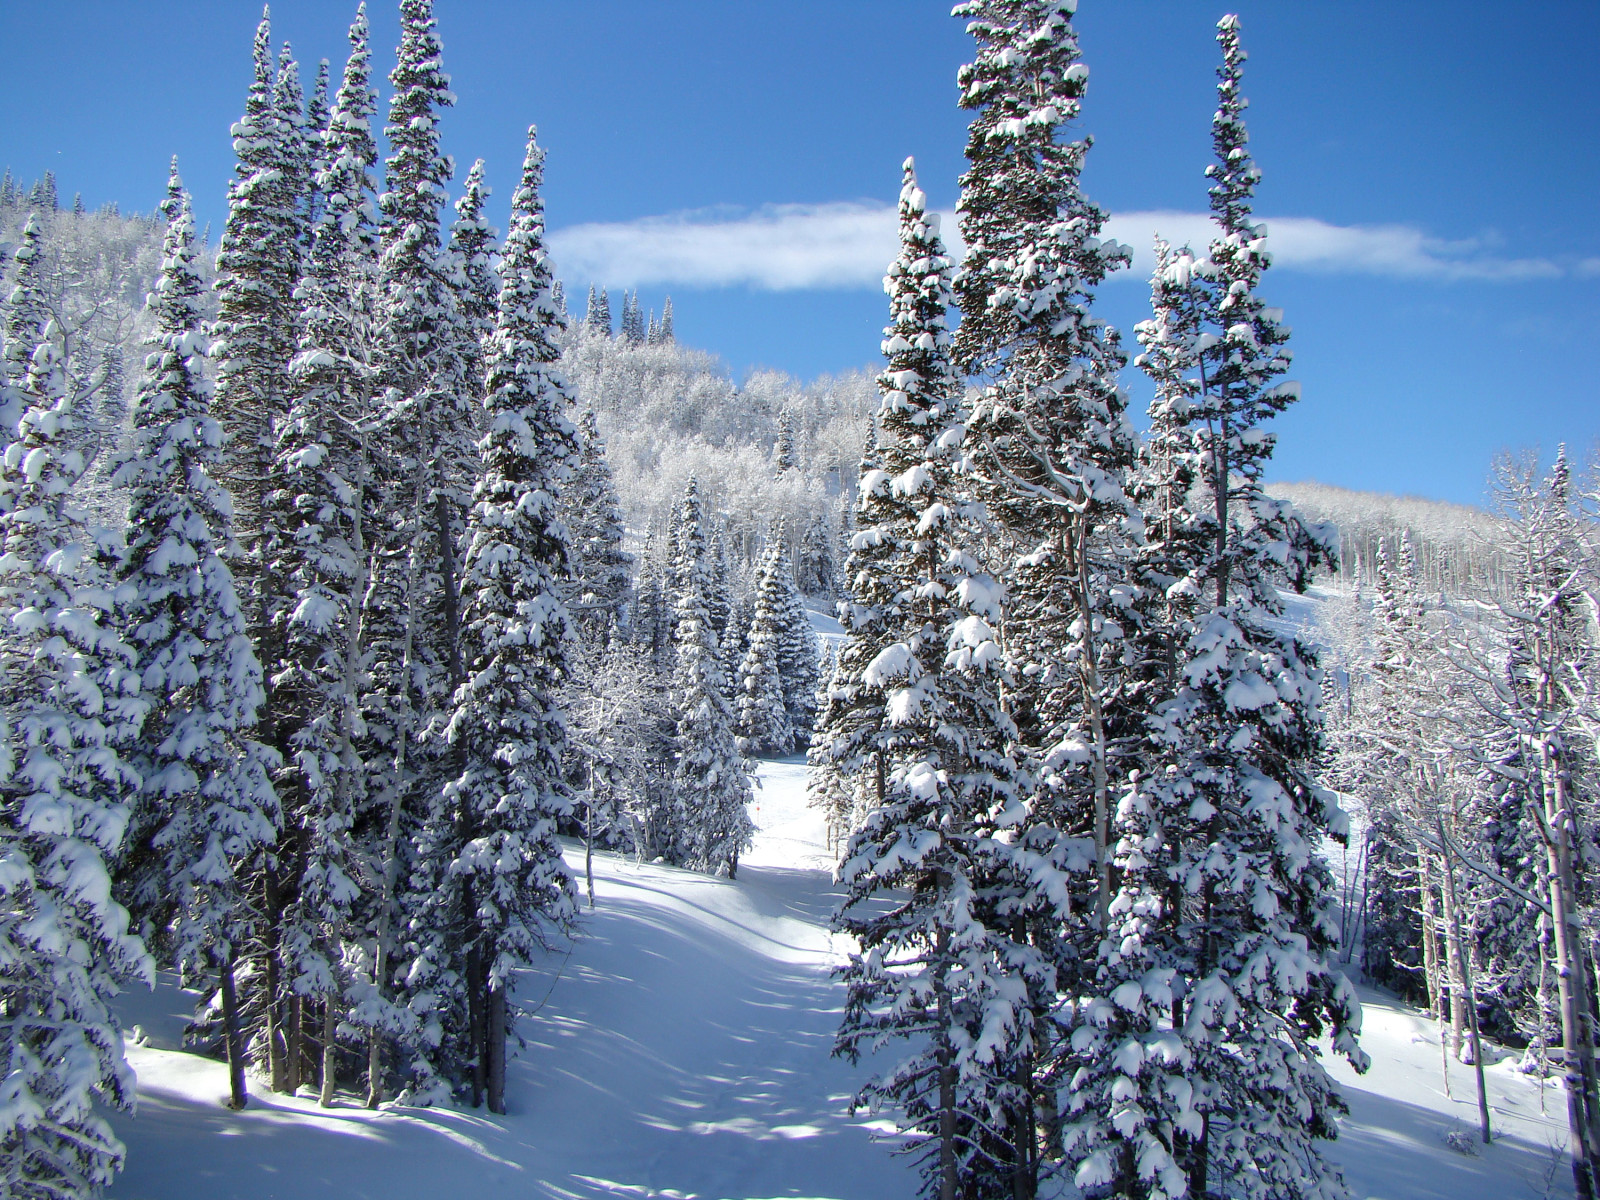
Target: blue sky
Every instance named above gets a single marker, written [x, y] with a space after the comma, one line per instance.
[1431, 174]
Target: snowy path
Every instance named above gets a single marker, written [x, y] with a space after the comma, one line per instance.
[682, 1051]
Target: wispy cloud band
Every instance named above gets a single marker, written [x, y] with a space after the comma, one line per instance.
[847, 245]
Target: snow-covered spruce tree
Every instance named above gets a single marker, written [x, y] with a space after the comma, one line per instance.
[1200, 1069]
[597, 319]
[71, 705]
[783, 450]
[1049, 434]
[425, 462]
[594, 517]
[324, 509]
[506, 725]
[258, 265]
[472, 253]
[299, 144]
[814, 567]
[763, 716]
[710, 825]
[936, 968]
[315, 124]
[25, 314]
[797, 647]
[206, 810]
[664, 329]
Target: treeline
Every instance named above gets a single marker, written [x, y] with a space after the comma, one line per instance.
[305, 724]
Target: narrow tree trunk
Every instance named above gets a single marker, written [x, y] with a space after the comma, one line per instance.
[277, 1042]
[1430, 941]
[232, 1036]
[1453, 907]
[1452, 951]
[330, 1049]
[1089, 671]
[476, 1021]
[497, 1048]
[296, 1050]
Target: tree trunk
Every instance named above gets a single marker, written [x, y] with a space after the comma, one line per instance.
[296, 1050]
[1430, 937]
[497, 1048]
[277, 1043]
[237, 1095]
[476, 1021]
[1452, 951]
[330, 1050]
[1089, 673]
[1466, 996]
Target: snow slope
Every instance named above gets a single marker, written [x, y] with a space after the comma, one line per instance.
[681, 1050]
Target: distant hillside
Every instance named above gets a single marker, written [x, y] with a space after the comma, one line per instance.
[1452, 540]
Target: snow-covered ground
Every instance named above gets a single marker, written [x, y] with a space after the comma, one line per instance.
[681, 1050]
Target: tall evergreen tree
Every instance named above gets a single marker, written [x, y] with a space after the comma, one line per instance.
[711, 786]
[472, 250]
[258, 265]
[506, 725]
[423, 472]
[594, 517]
[25, 315]
[763, 716]
[325, 510]
[598, 318]
[1218, 967]
[207, 809]
[1051, 438]
[71, 705]
[935, 968]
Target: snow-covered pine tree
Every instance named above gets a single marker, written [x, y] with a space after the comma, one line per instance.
[797, 646]
[25, 315]
[920, 672]
[594, 517]
[783, 450]
[424, 467]
[814, 569]
[258, 265]
[598, 318]
[711, 784]
[325, 509]
[1200, 1071]
[71, 705]
[472, 252]
[763, 716]
[207, 810]
[506, 725]
[719, 598]
[664, 329]
[1049, 434]
[848, 769]
[298, 143]
[315, 124]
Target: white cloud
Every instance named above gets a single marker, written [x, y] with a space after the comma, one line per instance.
[778, 248]
[847, 245]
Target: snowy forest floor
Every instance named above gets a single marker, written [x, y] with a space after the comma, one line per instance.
[681, 1049]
